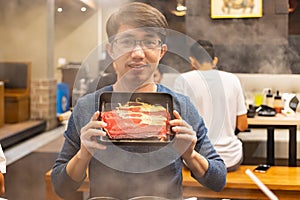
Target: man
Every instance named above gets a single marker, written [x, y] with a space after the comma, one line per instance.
[219, 98]
[137, 34]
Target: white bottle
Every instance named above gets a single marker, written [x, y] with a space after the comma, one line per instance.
[269, 99]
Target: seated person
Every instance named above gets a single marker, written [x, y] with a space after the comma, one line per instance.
[219, 98]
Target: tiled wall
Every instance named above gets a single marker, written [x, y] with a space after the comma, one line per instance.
[43, 101]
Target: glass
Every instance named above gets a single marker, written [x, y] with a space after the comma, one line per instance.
[258, 99]
[128, 44]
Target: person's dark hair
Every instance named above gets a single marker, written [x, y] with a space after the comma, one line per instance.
[203, 51]
[138, 15]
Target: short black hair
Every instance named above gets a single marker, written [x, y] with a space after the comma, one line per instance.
[138, 15]
[203, 51]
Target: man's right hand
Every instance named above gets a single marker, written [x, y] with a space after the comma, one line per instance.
[88, 135]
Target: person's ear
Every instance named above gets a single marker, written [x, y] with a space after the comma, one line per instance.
[215, 61]
[194, 63]
[163, 51]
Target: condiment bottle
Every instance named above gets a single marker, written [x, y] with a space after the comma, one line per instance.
[277, 102]
[269, 99]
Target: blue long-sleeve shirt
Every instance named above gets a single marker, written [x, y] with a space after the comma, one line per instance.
[160, 177]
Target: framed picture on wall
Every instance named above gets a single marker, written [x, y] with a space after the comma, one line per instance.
[236, 8]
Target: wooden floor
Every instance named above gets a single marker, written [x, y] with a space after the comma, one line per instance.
[27, 163]
[11, 134]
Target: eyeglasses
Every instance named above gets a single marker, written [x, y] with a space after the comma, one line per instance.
[128, 44]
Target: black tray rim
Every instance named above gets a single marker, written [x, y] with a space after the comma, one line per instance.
[107, 140]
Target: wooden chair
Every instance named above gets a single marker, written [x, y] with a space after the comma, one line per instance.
[17, 79]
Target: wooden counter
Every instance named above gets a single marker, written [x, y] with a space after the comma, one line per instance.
[283, 181]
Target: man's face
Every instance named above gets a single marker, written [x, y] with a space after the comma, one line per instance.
[136, 54]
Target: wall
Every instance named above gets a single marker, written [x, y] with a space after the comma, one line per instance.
[75, 44]
[257, 45]
[78, 35]
[24, 37]
[23, 34]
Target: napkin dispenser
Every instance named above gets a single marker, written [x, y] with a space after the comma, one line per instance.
[290, 103]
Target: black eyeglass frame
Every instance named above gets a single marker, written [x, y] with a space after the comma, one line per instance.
[134, 43]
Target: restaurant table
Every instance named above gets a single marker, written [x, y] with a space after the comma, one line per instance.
[280, 121]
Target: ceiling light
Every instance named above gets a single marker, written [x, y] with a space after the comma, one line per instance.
[59, 9]
[89, 3]
[180, 7]
[83, 9]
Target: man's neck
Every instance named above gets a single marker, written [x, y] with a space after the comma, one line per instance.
[204, 66]
[146, 87]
